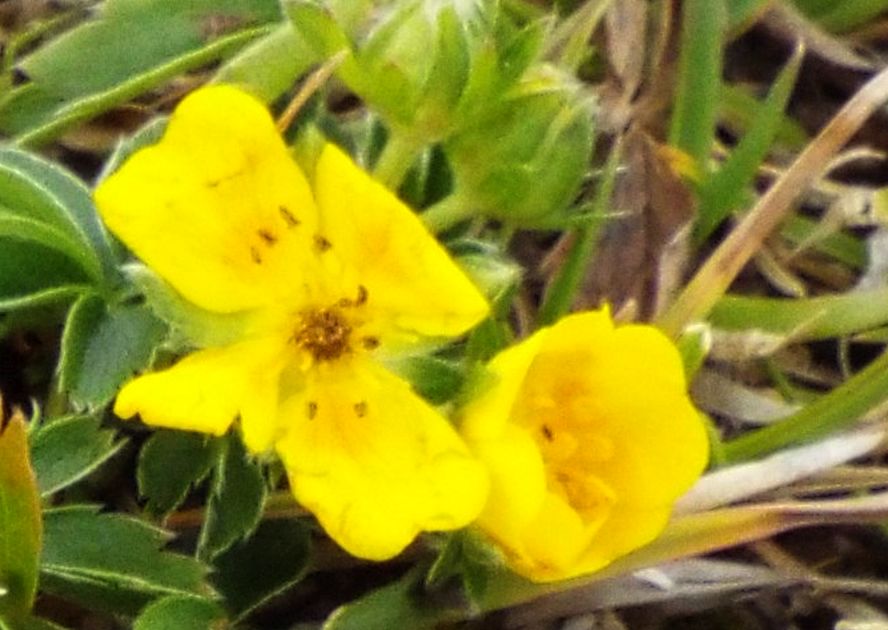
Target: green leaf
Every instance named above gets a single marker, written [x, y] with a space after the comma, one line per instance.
[725, 190]
[30, 270]
[399, 605]
[195, 326]
[170, 464]
[742, 13]
[269, 66]
[30, 622]
[264, 565]
[43, 237]
[176, 611]
[66, 450]
[699, 78]
[43, 300]
[435, 379]
[236, 500]
[111, 561]
[42, 191]
[463, 567]
[103, 346]
[850, 14]
[804, 319]
[132, 47]
[20, 525]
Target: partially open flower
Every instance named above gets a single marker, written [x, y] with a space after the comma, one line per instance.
[589, 436]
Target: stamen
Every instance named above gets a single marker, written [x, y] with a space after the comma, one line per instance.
[254, 254]
[370, 343]
[321, 243]
[324, 333]
[361, 408]
[288, 217]
[362, 295]
[269, 238]
[312, 409]
[358, 301]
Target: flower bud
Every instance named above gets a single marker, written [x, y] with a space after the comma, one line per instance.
[524, 162]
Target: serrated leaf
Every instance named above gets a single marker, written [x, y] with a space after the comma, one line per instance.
[264, 565]
[33, 187]
[170, 464]
[131, 47]
[236, 501]
[180, 612]
[20, 524]
[68, 449]
[103, 346]
[112, 561]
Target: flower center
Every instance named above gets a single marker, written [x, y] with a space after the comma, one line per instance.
[324, 333]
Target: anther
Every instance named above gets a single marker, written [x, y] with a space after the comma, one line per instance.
[362, 295]
[361, 408]
[254, 254]
[547, 432]
[321, 243]
[370, 343]
[312, 409]
[288, 217]
[324, 333]
[360, 300]
[269, 238]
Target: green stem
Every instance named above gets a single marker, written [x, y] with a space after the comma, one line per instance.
[841, 407]
[448, 212]
[397, 157]
[564, 287]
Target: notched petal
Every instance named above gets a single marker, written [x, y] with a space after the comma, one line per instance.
[375, 463]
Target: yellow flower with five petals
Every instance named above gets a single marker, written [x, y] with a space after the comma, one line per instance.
[590, 437]
[330, 279]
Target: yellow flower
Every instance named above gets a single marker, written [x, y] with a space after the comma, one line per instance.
[331, 279]
[589, 437]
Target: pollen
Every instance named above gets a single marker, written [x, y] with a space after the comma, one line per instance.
[324, 333]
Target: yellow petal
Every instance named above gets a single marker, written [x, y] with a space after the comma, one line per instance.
[206, 390]
[517, 485]
[624, 531]
[552, 542]
[217, 208]
[413, 285]
[642, 408]
[374, 462]
[486, 415]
